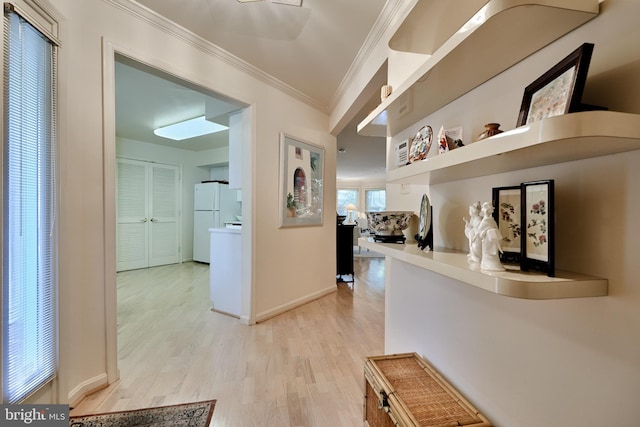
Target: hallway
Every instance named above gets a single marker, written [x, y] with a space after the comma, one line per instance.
[302, 368]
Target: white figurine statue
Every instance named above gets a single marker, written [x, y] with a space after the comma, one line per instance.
[490, 236]
[470, 230]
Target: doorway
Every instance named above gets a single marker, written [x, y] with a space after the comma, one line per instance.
[189, 159]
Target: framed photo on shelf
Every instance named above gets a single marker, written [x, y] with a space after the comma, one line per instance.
[301, 182]
[559, 90]
[538, 231]
[507, 214]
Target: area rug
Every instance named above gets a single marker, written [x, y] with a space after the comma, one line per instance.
[196, 414]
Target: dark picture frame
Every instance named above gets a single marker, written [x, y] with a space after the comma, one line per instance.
[508, 216]
[538, 226]
[301, 182]
[559, 90]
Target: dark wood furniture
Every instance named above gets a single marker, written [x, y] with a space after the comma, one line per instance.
[344, 253]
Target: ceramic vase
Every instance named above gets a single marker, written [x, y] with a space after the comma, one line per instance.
[490, 129]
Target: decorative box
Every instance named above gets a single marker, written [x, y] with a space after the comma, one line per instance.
[404, 390]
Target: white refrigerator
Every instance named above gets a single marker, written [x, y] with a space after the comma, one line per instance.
[213, 205]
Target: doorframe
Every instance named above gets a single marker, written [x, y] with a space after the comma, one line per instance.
[248, 317]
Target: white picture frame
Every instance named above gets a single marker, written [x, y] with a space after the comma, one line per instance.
[301, 182]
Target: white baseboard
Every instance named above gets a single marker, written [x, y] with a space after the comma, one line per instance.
[87, 387]
[261, 317]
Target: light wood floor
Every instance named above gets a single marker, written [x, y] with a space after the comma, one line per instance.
[302, 368]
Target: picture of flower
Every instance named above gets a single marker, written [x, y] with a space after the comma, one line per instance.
[512, 220]
[539, 208]
[507, 214]
[541, 228]
[538, 250]
[537, 222]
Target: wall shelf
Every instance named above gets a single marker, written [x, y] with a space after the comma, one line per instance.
[557, 139]
[511, 283]
[514, 29]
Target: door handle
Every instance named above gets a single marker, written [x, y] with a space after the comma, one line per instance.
[144, 220]
[154, 220]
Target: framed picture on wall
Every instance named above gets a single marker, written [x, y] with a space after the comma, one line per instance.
[301, 182]
[507, 214]
[538, 231]
[559, 90]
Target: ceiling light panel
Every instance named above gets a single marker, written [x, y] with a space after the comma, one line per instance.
[189, 129]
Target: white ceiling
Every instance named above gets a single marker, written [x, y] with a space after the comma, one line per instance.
[309, 48]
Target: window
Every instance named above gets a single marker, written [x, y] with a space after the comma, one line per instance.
[344, 198]
[375, 200]
[29, 270]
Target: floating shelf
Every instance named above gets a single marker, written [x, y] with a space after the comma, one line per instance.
[499, 35]
[511, 283]
[557, 139]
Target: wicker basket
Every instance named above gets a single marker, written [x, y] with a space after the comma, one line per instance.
[404, 390]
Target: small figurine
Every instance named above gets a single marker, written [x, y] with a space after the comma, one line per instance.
[443, 147]
[470, 229]
[490, 236]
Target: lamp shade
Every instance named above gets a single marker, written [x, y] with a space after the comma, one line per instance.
[350, 208]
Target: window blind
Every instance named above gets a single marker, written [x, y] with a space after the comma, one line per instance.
[375, 200]
[344, 197]
[29, 249]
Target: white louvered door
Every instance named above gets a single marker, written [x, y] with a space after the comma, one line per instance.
[163, 238]
[132, 231]
[147, 214]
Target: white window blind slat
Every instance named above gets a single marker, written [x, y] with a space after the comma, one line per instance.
[29, 264]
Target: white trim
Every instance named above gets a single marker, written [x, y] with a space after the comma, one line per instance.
[170, 27]
[87, 387]
[265, 315]
[40, 14]
[109, 203]
[109, 50]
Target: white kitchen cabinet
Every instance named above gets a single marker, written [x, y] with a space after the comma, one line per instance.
[225, 270]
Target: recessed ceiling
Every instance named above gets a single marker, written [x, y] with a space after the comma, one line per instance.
[147, 99]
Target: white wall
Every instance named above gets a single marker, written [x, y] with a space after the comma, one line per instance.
[85, 172]
[539, 363]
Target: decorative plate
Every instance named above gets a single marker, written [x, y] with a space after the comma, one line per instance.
[425, 218]
[421, 143]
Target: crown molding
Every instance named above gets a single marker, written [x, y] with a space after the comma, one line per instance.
[393, 12]
[150, 17]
